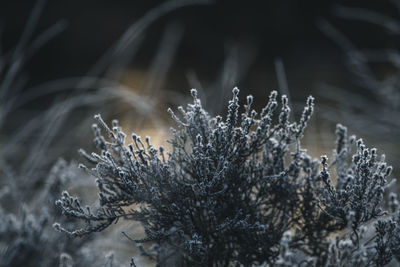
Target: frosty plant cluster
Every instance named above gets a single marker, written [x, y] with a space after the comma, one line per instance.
[242, 190]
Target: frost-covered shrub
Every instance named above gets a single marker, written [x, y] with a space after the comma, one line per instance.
[242, 190]
[26, 236]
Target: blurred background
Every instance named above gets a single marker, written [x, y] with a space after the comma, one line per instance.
[61, 62]
[212, 46]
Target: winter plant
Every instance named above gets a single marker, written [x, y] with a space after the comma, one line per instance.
[242, 191]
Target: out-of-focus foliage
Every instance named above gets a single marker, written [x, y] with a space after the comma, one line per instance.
[375, 108]
[29, 240]
[241, 190]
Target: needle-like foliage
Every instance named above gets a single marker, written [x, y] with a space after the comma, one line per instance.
[241, 190]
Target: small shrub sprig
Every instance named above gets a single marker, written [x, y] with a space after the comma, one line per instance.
[27, 237]
[241, 190]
